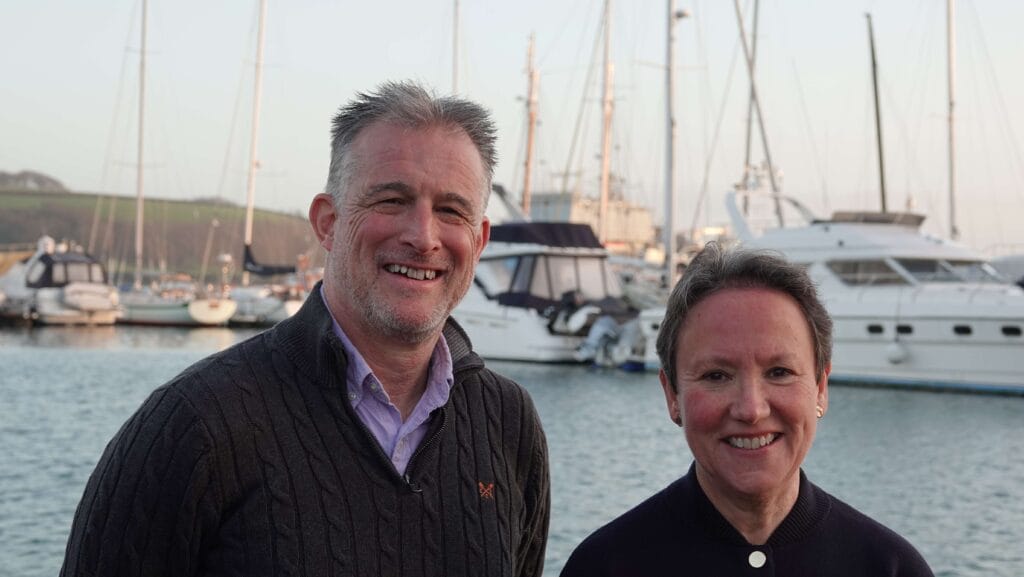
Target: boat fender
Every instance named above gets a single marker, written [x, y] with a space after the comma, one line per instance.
[896, 353]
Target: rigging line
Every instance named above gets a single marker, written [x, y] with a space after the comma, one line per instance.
[582, 109]
[919, 99]
[226, 165]
[708, 111]
[104, 173]
[233, 234]
[1006, 125]
[565, 26]
[520, 153]
[702, 196]
[808, 127]
[987, 159]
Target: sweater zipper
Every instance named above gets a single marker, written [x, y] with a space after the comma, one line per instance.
[437, 434]
[412, 461]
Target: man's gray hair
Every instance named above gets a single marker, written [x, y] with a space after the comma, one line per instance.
[409, 104]
[716, 268]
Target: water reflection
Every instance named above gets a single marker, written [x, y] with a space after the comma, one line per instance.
[207, 339]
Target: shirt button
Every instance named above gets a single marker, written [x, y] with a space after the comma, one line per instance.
[757, 559]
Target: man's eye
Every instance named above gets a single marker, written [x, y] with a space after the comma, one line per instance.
[714, 376]
[778, 372]
[452, 211]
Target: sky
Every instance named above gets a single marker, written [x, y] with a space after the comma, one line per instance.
[69, 99]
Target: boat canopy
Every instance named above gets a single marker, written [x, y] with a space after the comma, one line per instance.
[558, 234]
[62, 268]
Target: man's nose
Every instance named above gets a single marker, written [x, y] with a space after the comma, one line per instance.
[421, 231]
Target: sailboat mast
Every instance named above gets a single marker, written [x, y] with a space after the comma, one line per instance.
[138, 182]
[668, 239]
[606, 131]
[750, 110]
[455, 48]
[878, 112]
[760, 115]
[254, 135]
[531, 111]
[951, 59]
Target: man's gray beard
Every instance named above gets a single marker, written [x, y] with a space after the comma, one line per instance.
[384, 319]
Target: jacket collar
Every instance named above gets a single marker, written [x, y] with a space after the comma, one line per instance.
[308, 340]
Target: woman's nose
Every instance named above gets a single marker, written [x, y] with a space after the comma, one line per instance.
[751, 403]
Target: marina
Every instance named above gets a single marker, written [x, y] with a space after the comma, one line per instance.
[924, 280]
[938, 468]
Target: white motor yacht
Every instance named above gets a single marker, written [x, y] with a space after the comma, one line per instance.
[59, 284]
[544, 292]
[909, 309]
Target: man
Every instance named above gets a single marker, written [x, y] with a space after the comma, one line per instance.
[361, 436]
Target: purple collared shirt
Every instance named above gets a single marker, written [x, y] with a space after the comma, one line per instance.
[398, 439]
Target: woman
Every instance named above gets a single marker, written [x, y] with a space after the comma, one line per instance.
[745, 349]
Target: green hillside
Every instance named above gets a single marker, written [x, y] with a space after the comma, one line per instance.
[175, 232]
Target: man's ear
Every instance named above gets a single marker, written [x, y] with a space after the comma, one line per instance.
[485, 235]
[322, 216]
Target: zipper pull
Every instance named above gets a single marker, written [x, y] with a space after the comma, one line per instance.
[412, 486]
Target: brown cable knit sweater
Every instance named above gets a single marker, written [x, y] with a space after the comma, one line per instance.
[252, 462]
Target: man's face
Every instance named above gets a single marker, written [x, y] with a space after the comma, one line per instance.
[404, 242]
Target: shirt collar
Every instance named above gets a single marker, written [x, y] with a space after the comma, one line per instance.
[360, 379]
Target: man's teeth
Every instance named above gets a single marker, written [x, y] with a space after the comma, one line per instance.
[751, 442]
[416, 273]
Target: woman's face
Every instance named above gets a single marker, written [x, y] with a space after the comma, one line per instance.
[747, 393]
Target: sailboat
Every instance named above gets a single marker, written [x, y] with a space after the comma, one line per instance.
[264, 305]
[174, 303]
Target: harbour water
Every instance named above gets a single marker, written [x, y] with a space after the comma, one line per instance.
[941, 469]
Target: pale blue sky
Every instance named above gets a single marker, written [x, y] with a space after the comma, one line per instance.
[63, 61]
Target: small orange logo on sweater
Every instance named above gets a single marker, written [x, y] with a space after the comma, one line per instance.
[486, 491]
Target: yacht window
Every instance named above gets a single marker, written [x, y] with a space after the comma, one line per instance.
[78, 272]
[928, 270]
[1011, 331]
[962, 330]
[96, 273]
[35, 273]
[521, 280]
[976, 271]
[866, 272]
[495, 275]
[541, 286]
[591, 278]
[60, 278]
[563, 274]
